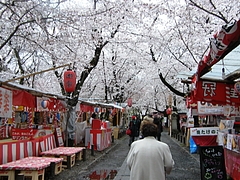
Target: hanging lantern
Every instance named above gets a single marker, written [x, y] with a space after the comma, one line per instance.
[114, 111]
[45, 104]
[169, 111]
[237, 87]
[69, 80]
[96, 109]
[129, 102]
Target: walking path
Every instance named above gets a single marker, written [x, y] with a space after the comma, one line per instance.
[187, 166]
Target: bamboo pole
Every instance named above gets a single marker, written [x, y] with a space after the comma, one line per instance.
[35, 73]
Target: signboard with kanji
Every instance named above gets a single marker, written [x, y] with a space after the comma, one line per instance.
[5, 103]
[204, 131]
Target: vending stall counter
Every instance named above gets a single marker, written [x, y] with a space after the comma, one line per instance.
[100, 137]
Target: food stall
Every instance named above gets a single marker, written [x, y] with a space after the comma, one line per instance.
[24, 133]
[216, 83]
[99, 133]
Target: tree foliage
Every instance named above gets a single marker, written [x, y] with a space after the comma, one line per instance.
[118, 49]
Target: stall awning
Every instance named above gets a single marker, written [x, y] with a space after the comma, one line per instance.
[23, 98]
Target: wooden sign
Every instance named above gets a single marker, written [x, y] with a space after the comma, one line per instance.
[58, 137]
[212, 163]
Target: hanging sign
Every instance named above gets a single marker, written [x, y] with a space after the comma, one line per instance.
[5, 103]
[129, 102]
[215, 93]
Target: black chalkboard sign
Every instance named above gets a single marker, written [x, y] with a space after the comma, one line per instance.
[212, 163]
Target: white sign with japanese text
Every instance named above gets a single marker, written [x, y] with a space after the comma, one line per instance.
[204, 131]
[5, 103]
[190, 122]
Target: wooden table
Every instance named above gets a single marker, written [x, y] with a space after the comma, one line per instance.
[69, 154]
[31, 167]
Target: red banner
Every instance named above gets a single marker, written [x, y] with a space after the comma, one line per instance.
[86, 108]
[220, 45]
[216, 93]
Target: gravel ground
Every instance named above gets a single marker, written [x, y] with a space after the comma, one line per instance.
[187, 166]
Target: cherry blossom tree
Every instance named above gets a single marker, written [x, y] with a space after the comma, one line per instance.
[118, 49]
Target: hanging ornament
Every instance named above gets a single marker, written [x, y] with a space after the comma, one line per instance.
[237, 87]
[169, 111]
[129, 102]
[96, 109]
[45, 104]
[69, 80]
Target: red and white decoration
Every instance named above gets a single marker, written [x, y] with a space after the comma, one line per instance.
[11, 151]
[5, 103]
[100, 139]
[220, 45]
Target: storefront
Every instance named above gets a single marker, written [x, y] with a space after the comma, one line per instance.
[25, 126]
[215, 95]
[103, 127]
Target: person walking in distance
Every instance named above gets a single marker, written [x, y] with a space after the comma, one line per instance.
[146, 119]
[158, 121]
[148, 158]
[133, 125]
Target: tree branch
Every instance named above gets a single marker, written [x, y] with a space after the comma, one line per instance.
[170, 87]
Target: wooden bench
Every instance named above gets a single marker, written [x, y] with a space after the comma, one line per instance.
[69, 155]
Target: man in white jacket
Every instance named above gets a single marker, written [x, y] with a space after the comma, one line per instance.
[148, 158]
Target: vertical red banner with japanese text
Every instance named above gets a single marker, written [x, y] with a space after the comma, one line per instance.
[5, 103]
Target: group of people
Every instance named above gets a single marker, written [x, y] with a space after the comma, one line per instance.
[135, 125]
[148, 157]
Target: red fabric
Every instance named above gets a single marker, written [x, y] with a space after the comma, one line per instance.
[86, 108]
[23, 98]
[205, 140]
[232, 163]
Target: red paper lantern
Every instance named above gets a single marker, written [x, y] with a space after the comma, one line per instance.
[69, 80]
[129, 102]
[169, 111]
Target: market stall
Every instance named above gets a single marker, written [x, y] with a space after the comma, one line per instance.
[108, 116]
[216, 83]
[25, 126]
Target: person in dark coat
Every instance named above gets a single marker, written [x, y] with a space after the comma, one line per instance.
[134, 127]
[158, 121]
